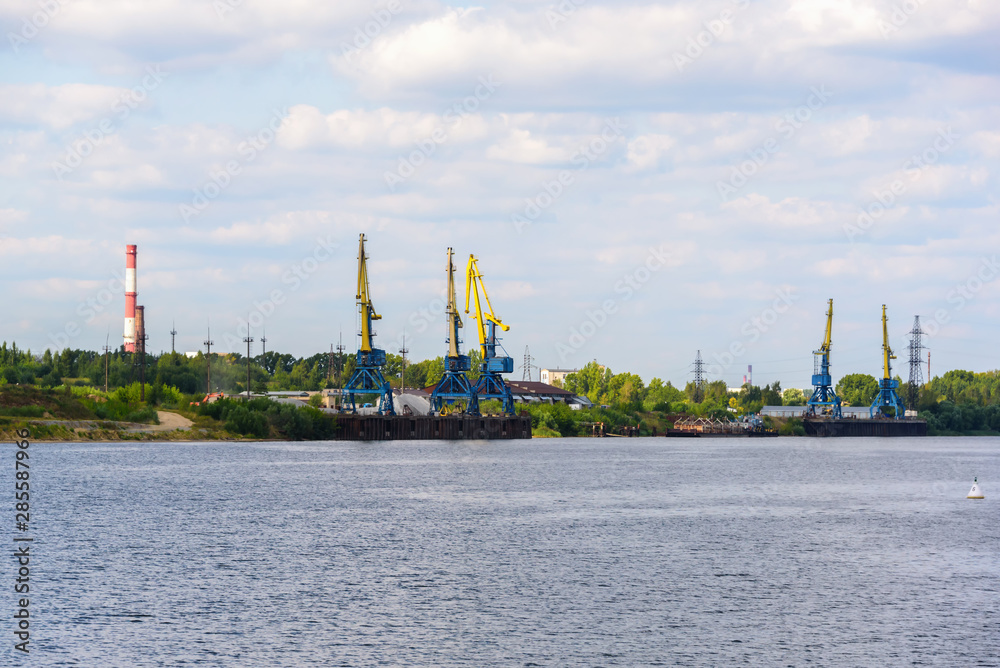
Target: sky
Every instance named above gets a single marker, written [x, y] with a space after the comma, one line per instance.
[639, 181]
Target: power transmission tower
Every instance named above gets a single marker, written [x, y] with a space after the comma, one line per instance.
[107, 349]
[248, 340]
[263, 350]
[208, 358]
[173, 335]
[699, 376]
[527, 366]
[402, 376]
[340, 359]
[915, 364]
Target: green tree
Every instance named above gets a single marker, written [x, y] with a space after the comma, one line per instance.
[857, 389]
[660, 395]
[591, 381]
[771, 394]
[793, 396]
[625, 390]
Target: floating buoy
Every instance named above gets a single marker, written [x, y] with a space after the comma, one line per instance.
[975, 492]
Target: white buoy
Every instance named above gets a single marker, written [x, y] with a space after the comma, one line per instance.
[975, 492]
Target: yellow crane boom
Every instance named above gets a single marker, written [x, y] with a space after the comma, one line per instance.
[473, 283]
[886, 350]
[825, 348]
[364, 301]
[454, 319]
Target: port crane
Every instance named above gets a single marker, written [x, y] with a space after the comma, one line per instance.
[823, 398]
[454, 385]
[367, 377]
[491, 385]
[887, 395]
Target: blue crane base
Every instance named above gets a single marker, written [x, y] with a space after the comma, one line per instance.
[821, 407]
[369, 380]
[454, 386]
[823, 399]
[492, 386]
[887, 397]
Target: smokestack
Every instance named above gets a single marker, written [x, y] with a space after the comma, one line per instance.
[130, 299]
[140, 329]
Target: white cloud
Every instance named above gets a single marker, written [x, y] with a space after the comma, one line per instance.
[657, 185]
[10, 217]
[790, 212]
[56, 106]
[646, 151]
[520, 146]
[307, 127]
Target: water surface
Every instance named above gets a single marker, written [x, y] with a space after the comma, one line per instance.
[561, 552]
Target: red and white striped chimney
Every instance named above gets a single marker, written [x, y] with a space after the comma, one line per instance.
[130, 298]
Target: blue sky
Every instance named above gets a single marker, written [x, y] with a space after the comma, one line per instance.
[638, 181]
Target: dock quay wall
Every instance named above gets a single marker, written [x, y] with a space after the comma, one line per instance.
[862, 427]
[431, 427]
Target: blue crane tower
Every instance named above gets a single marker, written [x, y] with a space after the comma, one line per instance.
[887, 396]
[367, 377]
[823, 398]
[491, 385]
[454, 385]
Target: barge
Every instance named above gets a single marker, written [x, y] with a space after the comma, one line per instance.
[431, 427]
[825, 426]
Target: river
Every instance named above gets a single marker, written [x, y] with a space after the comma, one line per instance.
[551, 552]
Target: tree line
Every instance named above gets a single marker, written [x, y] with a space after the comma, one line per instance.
[956, 402]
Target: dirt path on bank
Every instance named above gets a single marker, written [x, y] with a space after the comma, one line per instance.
[169, 422]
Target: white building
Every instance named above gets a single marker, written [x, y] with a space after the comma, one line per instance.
[552, 376]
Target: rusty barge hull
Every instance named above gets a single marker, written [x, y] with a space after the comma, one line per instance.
[431, 428]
